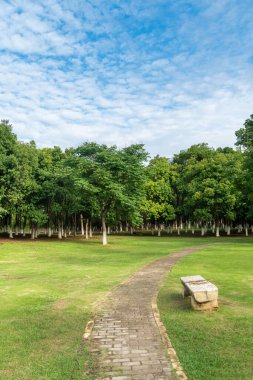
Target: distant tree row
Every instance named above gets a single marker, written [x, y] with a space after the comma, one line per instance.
[68, 191]
[203, 188]
[105, 188]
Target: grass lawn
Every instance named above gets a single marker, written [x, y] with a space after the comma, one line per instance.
[48, 290]
[216, 345]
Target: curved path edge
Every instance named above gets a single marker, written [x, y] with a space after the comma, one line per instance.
[127, 339]
[174, 360]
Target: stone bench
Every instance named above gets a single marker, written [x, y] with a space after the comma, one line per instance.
[204, 295]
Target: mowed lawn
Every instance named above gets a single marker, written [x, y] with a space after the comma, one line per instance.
[48, 290]
[216, 345]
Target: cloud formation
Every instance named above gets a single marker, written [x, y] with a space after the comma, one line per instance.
[164, 73]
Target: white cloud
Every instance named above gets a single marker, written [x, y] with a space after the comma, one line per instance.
[59, 86]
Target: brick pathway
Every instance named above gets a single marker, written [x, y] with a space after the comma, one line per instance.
[125, 341]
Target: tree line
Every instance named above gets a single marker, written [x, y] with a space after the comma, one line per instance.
[101, 188]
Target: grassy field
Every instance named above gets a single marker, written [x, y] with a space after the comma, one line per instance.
[48, 289]
[216, 345]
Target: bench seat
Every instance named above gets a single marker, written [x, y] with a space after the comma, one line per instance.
[204, 294]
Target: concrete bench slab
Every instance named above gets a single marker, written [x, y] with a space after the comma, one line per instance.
[204, 294]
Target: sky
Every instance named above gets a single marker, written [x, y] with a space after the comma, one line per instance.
[166, 73]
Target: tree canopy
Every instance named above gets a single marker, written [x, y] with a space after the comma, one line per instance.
[104, 187]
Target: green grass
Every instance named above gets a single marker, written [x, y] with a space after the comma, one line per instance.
[48, 290]
[216, 345]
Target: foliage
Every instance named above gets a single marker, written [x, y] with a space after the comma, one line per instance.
[159, 203]
[107, 186]
[111, 178]
[245, 141]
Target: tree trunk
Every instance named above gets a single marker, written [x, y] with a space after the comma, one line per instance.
[90, 231]
[82, 226]
[217, 231]
[49, 231]
[202, 231]
[246, 231]
[75, 224]
[228, 230]
[10, 232]
[87, 229]
[159, 232]
[59, 231]
[24, 227]
[104, 230]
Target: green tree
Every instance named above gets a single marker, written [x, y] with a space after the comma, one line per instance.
[245, 184]
[210, 190]
[57, 190]
[9, 192]
[112, 179]
[245, 135]
[186, 163]
[159, 204]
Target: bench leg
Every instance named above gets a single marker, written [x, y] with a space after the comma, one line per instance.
[205, 306]
[185, 292]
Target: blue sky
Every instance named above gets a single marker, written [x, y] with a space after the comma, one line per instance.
[164, 73]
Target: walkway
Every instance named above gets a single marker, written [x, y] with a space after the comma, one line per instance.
[125, 341]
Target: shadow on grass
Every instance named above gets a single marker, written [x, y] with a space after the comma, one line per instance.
[176, 302]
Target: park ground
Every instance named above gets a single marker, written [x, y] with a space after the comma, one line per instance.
[50, 289]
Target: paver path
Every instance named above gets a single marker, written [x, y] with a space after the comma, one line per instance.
[125, 339]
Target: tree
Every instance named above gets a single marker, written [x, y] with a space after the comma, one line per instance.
[210, 191]
[9, 192]
[57, 196]
[186, 163]
[245, 135]
[159, 203]
[245, 184]
[112, 178]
